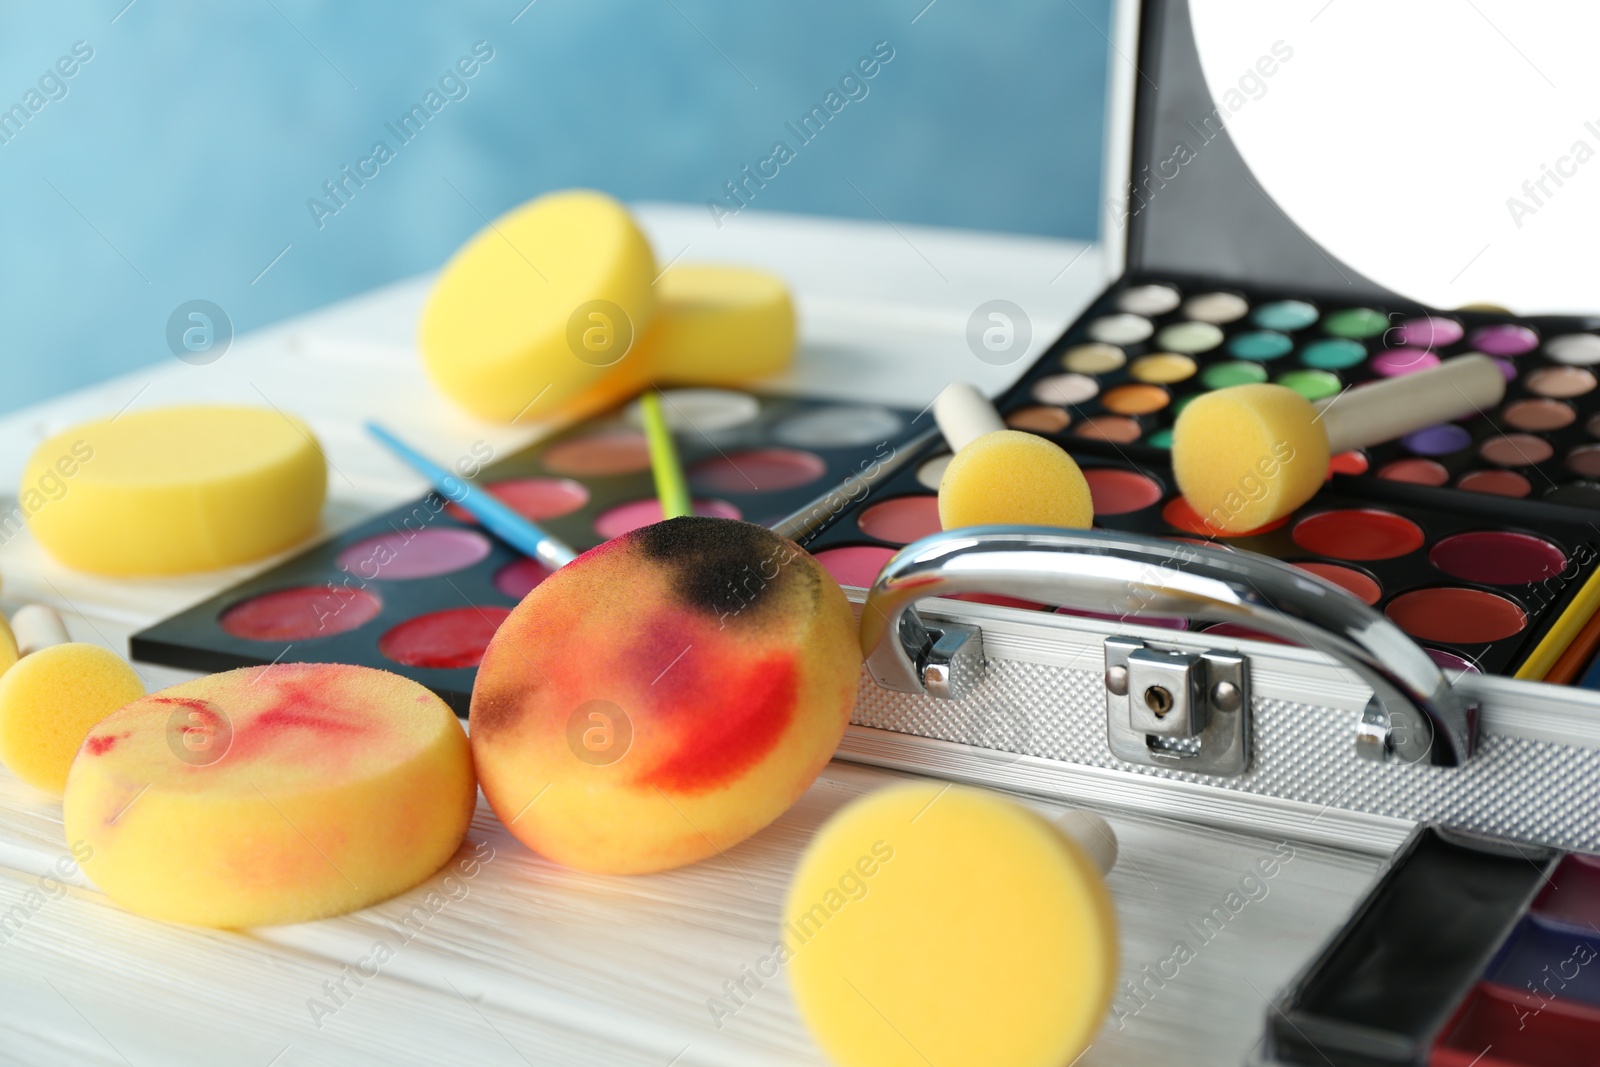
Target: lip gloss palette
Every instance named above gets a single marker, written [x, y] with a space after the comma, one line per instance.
[1469, 950]
[420, 590]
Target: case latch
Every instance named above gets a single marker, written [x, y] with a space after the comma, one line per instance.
[1175, 708]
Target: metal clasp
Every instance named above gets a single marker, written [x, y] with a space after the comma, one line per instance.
[1177, 708]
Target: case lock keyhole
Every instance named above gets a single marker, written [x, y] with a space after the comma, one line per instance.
[1159, 700]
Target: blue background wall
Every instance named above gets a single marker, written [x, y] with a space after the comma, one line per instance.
[179, 161]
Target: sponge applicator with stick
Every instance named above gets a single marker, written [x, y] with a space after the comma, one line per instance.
[1248, 455]
[1001, 476]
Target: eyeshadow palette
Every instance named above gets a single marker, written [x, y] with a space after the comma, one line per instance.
[421, 589]
[1115, 382]
[1469, 950]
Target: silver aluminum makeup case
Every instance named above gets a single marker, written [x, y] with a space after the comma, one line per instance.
[1338, 748]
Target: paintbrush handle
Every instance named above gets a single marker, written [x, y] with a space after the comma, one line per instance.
[524, 536]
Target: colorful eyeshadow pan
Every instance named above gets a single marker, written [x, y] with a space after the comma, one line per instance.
[1222, 375]
[757, 471]
[1358, 534]
[301, 614]
[855, 565]
[1504, 339]
[1333, 354]
[931, 472]
[1123, 329]
[516, 580]
[1163, 368]
[1117, 491]
[1584, 460]
[1260, 345]
[702, 410]
[1497, 557]
[1561, 382]
[901, 520]
[1312, 384]
[1415, 472]
[1355, 323]
[1094, 358]
[838, 427]
[1285, 315]
[1135, 399]
[1429, 331]
[1516, 450]
[1438, 440]
[1398, 362]
[1040, 418]
[1216, 308]
[630, 516]
[1456, 616]
[1148, 299]
[1574, 349]
[1190, 338]
[1496, 483]
[1539, 415]
[1357, 583]
[1066, 389]
[598, 454]
[443, 639]
[537, 499]
[1118, 429]
[425, 553]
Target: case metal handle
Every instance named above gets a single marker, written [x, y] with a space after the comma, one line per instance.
[1414, 715]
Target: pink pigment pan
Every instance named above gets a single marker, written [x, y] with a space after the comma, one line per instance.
[421, 590]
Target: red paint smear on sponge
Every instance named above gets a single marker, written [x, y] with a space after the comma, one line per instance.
[725, 712]
[99, 746]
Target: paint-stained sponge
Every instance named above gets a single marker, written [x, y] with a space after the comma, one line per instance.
[273, 794]
[175, 490]
[51, 699]
[930, 923]
[1010, 477]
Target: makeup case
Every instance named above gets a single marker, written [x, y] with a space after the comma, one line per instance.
[1184, 679]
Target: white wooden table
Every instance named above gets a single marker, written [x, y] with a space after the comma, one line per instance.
[532, 963]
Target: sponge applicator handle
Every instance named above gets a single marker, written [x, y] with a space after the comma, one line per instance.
[37, 626]
[964, 415]
[1395, 407]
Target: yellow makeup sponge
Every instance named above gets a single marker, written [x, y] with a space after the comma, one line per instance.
[273, 794]
[930, 923]
[174, 490]
[51, 699]
[538, 312]
[718, 325]
[1012, 477]
[1249, 454]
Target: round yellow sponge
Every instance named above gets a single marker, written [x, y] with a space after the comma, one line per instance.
[539, 311]
[1249, 454]
[1012, 477]
[931, 923]
[174, 490]
[271, 794]
[51, 699]
[719, 325]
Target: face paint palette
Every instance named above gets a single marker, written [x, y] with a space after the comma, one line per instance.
[420, 590]
[1476, 591]
[1469, 950]
[1115, 383]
